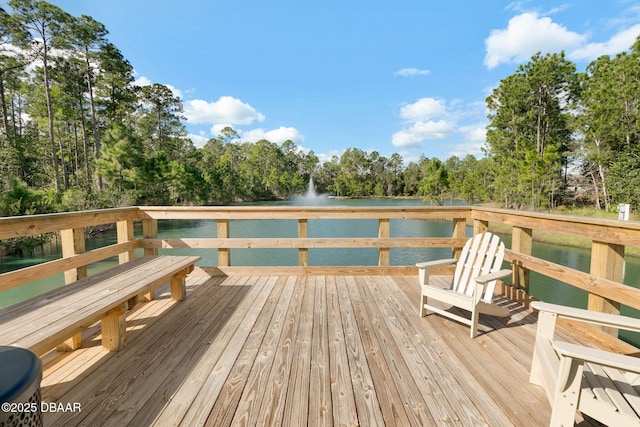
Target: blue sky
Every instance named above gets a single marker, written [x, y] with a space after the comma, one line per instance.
[402, 76]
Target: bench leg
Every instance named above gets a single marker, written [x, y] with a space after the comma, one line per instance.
[114, 328]
[150, 296]
[178, 286]
[73, 343]
[132, 302]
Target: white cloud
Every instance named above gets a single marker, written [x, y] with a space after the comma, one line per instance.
[217, 128]
[144, 81]
[525, 35]
[277, 136]
[431, 119]
[326, 157]
[177, 92]
[474, 133]
[411, 72]
[420, 131]
[465, 148]
[423, 109]
[198, 140]
[619, 42]
[421, 124]
[474, 138]
[529, 33]
[227, 109]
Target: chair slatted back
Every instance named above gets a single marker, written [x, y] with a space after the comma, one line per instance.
[481, 254]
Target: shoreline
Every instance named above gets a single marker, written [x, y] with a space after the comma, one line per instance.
[560, 240]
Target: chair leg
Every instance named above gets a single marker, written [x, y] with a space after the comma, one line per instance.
[423, 309]
[475, 317]
[567, 392]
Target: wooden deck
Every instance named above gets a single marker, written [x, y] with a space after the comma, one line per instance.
[300, 350]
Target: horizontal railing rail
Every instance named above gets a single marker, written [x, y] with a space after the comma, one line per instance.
[304, 212]
[609, 239]
[30, 274]
[29, 225]
[297, 243]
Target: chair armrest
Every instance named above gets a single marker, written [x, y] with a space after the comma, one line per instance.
[599, 357]
[489, 277]
[588, 316]
[437, 263]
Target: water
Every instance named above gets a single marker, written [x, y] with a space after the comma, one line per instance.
[48, 252]
[310, 197]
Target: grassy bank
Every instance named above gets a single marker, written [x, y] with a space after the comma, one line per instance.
[577, 242]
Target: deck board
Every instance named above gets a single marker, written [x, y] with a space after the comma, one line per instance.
[427, 368]
[296, 402]
[253, 394]
[299, 350]
[397, 375]
[320, 409]
[369, 408]
[342, 396]
[226, 402]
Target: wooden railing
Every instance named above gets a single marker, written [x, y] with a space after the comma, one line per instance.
[224, 242]
[603, 282]
[70, 227]
[609, 238]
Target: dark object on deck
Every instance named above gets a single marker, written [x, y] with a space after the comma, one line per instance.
[20, 377]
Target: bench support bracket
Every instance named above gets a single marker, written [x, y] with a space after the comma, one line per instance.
[73, 343]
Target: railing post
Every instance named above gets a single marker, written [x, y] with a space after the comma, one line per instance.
[303, 233]
[125, 234]
[150, 231]
[223, 233]
[480, 226]
[459, 232]
[73, 244]
[607, 261]
[383, 233]
[521, 242]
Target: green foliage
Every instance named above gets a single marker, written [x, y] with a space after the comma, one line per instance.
[610, 125]
[95, 140]
[21, 200]
[529, 135]
[119, 160]
[624, 178]
[435, 182]
[469, 179]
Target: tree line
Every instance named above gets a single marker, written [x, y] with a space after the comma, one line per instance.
[77, 133]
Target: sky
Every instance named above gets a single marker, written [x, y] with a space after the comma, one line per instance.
[402, 76]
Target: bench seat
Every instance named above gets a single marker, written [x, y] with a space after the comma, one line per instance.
[42, 322]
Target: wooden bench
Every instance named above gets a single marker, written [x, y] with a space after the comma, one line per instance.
[600, 384]
[45, 321]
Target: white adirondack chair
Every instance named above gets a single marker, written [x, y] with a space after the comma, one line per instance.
[601, 384]
[473, 282]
